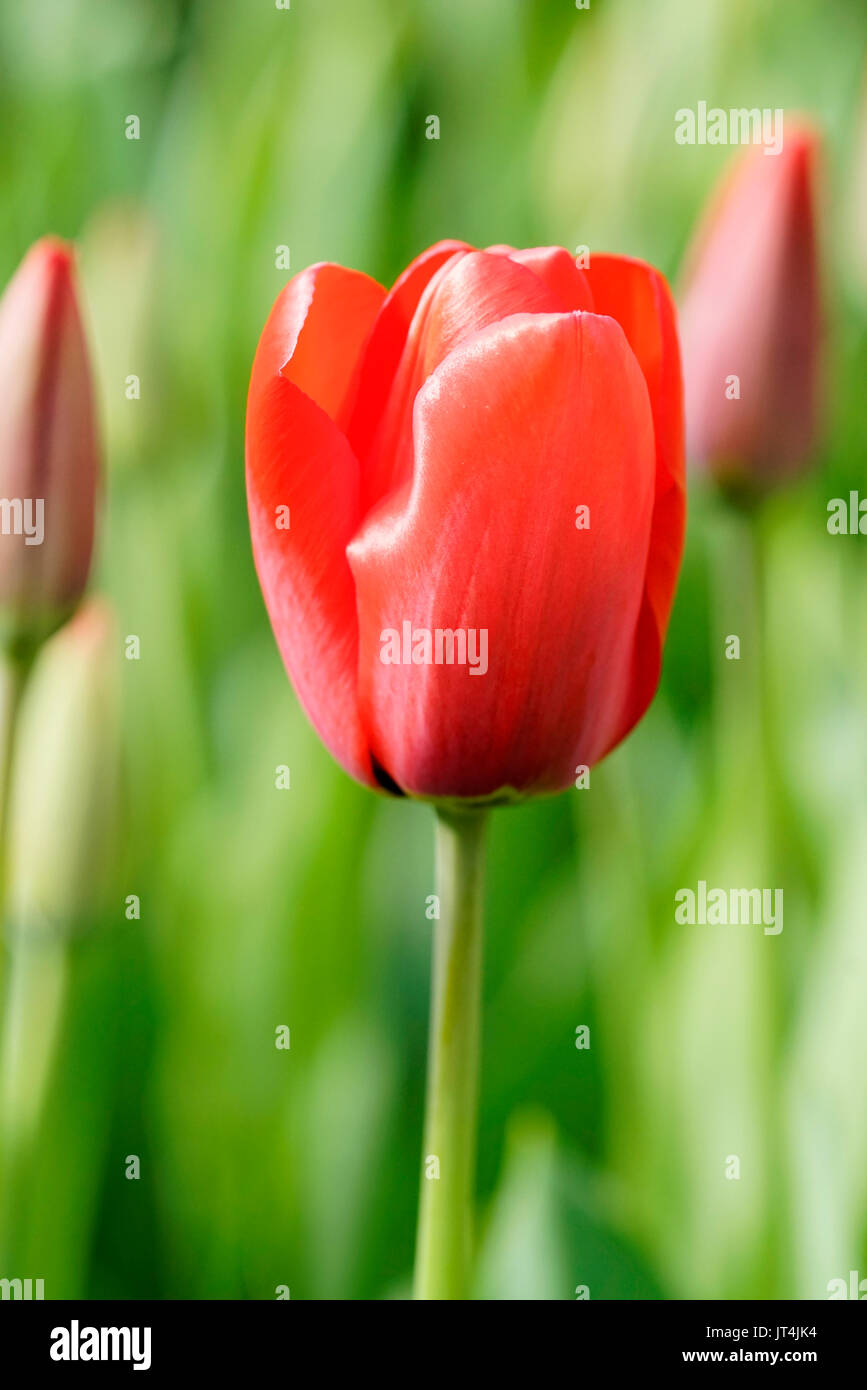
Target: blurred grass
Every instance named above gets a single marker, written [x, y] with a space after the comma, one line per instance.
[259, 907]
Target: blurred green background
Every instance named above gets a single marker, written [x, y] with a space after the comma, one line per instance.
[260, 907]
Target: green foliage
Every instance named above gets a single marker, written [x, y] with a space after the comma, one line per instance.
[306, 908]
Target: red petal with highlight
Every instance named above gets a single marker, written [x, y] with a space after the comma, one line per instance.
[512, 432]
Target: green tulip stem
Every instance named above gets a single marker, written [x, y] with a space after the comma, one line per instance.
[445, 1229]
[18, 673]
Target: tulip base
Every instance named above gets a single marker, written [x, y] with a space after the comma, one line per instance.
[445, 1229]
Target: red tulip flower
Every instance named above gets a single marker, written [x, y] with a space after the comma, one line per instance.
[49, 454]
[751, 320]
[483, 465]
[466, 502]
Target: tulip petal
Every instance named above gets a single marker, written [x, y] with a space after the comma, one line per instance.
[638, 297]
[386, 341]
[315, 333]
[519, 425]
[467, 294]
[558, 270]
[298, 458]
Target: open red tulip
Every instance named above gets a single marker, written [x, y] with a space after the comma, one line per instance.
[467, 506]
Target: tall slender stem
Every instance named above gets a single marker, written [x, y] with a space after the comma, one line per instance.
[18, 672]
[445, 1231]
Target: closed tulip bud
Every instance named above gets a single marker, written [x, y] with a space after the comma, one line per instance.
[466, 505]
[63, 812]
[49, 456]
[64, 792]
[751, 321]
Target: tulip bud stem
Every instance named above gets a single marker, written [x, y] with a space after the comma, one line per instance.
[445, 1230]
[18, 672]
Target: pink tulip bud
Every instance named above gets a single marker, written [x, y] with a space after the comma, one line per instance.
[751, 320]
[49, 454]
